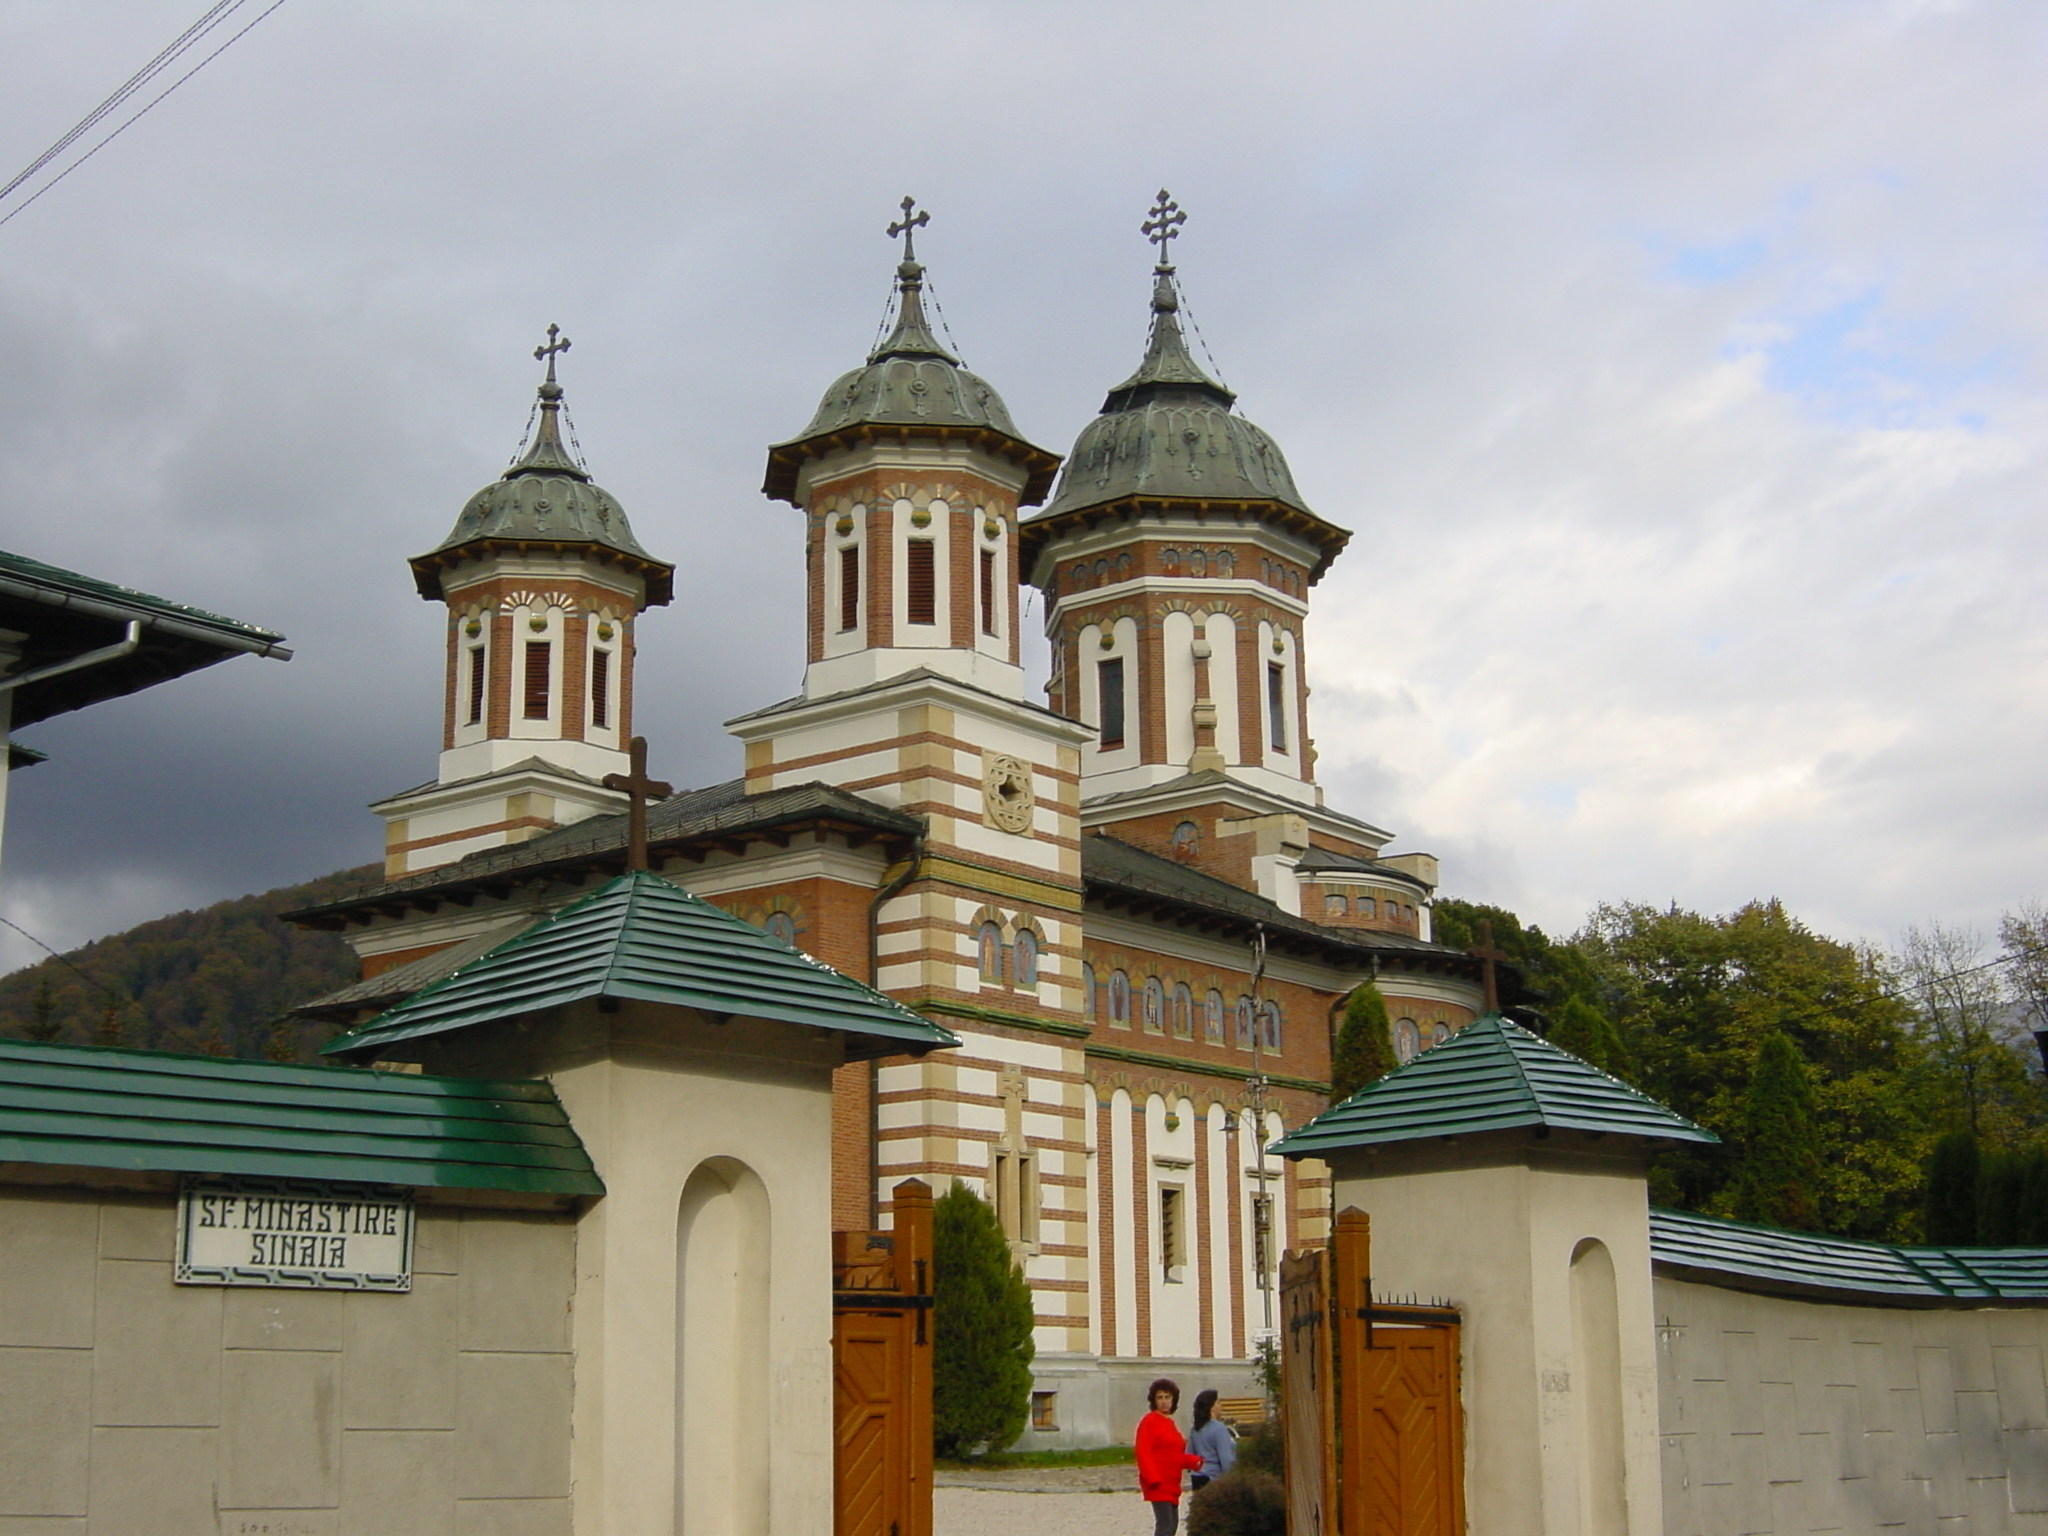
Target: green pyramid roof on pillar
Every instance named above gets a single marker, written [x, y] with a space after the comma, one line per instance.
[642, 938]
[1491, 1076]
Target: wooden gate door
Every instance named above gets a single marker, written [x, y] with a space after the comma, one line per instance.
[1391, 1423]
[1307, 1424]
[882, 1373]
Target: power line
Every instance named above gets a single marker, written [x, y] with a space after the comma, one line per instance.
[215, 16]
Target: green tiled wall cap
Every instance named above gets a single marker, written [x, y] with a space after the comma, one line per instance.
[640, 937]
[1491, 1076]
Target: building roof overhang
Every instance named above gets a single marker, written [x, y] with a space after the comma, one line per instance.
[786, 460]
[657, 576]
[1036, 534]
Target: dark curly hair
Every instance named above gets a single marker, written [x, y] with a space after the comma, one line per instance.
[1163, 1385]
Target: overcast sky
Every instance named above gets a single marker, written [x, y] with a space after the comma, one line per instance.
[1679, 367]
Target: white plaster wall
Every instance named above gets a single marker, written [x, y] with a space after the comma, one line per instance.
[1175, 1303]
[1178, 652]
[1117, 1189]
[1782, 1415]
[1223, 640]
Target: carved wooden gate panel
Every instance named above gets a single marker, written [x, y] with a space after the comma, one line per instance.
[1389, 1426]
[882, 1373]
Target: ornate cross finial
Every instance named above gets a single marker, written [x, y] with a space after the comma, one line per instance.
[1163, 224]
[638, 789]
[907, 227]
[1487, 956]
[551, 350]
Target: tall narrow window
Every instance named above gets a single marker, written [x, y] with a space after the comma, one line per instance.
[919, 587]
[476, 685]
[538, 653]
[988, 591]
[1109, 679]
[849, 586]
[1173, 1249]
[1276, 703]
[601, 689]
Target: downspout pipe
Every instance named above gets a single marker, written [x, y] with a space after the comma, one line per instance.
[886, 894]
[121, 647]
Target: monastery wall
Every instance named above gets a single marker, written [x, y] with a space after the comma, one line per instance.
[129, 1403]
[1781, 1415]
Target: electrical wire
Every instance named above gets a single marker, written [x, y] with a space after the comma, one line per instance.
[214, 17]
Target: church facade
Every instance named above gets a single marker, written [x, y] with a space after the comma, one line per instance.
[1130, 902]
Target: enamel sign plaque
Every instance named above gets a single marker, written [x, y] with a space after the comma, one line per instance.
[305, 1233]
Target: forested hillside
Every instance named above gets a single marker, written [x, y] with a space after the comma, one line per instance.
[214, 980]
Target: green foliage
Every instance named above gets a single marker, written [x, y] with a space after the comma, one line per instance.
[1365, 1046]
[981, 1329]
[1259, 1449]
[1779, 1173]
[1239, 1503]
[1949, 1218]
[1550, 972]
[1577, 1026]
[1266, 1366]
[2032, 1224]
[213, 980]
[1693, 998]
[2001, 1181]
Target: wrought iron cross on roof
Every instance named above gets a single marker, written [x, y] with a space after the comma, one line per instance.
[908, 225]
[551, 350]
[1487, 956]
[1163, 224]
[638, 790]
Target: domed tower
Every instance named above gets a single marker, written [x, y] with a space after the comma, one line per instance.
[1176, 558]
[543, 580]
[910, 476]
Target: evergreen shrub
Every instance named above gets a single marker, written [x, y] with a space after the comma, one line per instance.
[981, 1329]
[1258, 1450]
[1365, 1049]
[1951, 1211]
[1780, 1170]
[1242, 1502]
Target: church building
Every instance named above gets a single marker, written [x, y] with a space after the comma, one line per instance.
[1129, 902]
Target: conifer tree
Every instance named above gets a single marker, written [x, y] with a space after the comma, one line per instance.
[42, 1014]
[1365, 1047]
[1779, 1173]
[2001, 1177]
[1951, 1212]
[2031, 1229]
[981, 1329]
[1588, 1034]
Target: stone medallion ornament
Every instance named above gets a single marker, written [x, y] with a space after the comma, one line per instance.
[1006, 792]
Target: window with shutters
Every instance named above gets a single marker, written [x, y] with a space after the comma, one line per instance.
[1109, 693]
[601, 689]
[1173, 1237]
[1276, 703]
[476, 685]
[988, 591]
[849, 586]
[539, 654]
[919, 583]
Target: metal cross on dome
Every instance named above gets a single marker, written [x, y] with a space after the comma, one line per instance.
[638, 789]
[551, 350]
[1488, 956]
[908, 225]
[1163, 224]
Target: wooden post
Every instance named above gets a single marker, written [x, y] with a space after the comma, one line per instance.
[912, 1201]
[1351, 1337]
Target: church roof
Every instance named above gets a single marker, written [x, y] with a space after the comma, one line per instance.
[1169, 433]
[1490, 1076]
[910, 384]
[643, 938]
[83, 1106]
[65, 614]
[547, 498]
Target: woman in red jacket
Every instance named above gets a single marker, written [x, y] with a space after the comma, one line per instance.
[1162, 1457]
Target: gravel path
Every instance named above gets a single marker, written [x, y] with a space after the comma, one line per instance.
[1040, 1501]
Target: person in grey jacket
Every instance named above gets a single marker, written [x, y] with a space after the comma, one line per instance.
[1212, 1440]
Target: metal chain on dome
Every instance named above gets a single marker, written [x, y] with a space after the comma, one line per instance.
[526, 437]
[940, 310]
[575, 447]
[1215, 368]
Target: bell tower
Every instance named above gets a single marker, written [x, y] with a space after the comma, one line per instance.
[543, 581]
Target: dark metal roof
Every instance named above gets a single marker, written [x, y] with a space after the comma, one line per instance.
[65, 614]
[1688, 1245]
[1490, 1076]
[694, 817]
[644, 938]
[1111, 867]
[386, 988]
[93, 1107]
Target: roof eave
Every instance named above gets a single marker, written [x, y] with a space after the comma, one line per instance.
[1035, 533]
[658, 575]
[786, 460]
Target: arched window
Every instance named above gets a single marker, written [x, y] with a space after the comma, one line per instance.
[1439, 1032]
[1335, 904]
[1101, 571]
[1212, 1017]
[1089, 1000]
[1183, 1012]
[1155, 1006]
[781, 925]
[1244, 1023]
[1367, 907]
[1187, 842]
[1123, 566]
[1120, 999]
[1407, 1040]
[1226, 562]
[1198, 563]
[1271, 1015]
[1079, 576]
[1024, 969]
[1170, 560]
[991, 943]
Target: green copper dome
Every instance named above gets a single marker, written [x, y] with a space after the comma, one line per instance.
[910, 384]
[545, 498]
[1169, 432]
